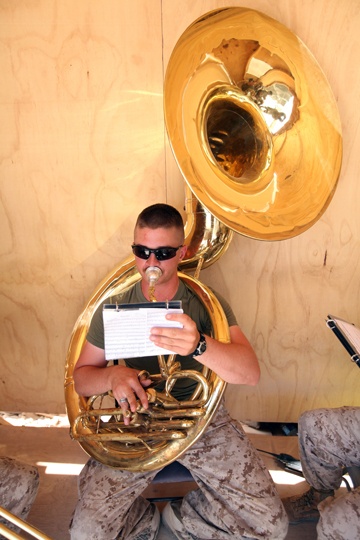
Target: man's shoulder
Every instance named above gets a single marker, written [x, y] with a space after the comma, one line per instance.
[131, 295]
[189, 291]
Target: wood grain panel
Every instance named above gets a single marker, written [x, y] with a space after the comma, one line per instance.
[83, 149]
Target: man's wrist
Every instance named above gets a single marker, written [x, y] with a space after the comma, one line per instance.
[200, 347]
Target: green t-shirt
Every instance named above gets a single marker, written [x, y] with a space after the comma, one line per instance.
[191, 305]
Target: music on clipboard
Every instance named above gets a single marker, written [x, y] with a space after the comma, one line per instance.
[127, 328]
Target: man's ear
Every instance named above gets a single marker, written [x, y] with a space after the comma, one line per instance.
[182, 253]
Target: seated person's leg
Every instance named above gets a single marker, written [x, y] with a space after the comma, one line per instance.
[329, 440]
[339, 517]
[19, 484]
[236, 497]
[110, 503]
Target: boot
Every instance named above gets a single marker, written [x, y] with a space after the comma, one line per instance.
[304, 507]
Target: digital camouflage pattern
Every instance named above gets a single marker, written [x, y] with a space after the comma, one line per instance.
[19, 483]
[329, 440]
[236, 497]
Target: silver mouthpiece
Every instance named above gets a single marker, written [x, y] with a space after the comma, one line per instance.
[152, 274]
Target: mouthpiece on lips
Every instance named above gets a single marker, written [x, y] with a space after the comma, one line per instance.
[152, 274]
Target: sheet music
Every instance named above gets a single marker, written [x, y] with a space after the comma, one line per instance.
[351, 332]
[127, 331]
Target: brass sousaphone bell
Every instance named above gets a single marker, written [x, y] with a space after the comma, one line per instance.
[253, 123]
[255, 131]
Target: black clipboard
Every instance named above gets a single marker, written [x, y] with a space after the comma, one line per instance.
[348, 335]
[172, 304]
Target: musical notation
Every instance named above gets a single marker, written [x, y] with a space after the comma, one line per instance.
[127, 329]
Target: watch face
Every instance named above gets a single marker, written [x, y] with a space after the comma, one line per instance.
[201, 348]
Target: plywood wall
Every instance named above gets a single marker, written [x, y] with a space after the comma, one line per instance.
[83, 149]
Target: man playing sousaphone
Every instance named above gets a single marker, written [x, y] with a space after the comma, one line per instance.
[236, 497]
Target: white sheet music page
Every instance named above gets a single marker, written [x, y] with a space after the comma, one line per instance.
[351, 332]
[127, 331]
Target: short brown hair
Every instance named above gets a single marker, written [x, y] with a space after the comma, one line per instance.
[160, 215]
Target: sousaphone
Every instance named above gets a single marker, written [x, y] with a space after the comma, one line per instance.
[255, 131]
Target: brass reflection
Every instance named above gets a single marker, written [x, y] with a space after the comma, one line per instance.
[253, 123]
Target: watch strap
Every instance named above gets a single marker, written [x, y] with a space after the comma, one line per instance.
[201, 346]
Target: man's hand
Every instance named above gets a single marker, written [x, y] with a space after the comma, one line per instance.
[127, 388]
[179, 340]
[92, 376]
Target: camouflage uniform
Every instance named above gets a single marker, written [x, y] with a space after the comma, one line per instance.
[236, 497]
[329, 440]
[19, 483]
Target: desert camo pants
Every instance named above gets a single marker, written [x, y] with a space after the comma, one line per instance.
[236, 498]
[329, 440]
[19, 483]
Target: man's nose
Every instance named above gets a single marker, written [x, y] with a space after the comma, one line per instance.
[153, 260]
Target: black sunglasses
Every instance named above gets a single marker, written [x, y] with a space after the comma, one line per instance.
[161, 253]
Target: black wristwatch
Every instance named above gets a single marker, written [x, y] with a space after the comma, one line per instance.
[200, 347]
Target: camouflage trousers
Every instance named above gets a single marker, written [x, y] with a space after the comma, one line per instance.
[329, 440]
[236, 497]
[19, 483]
